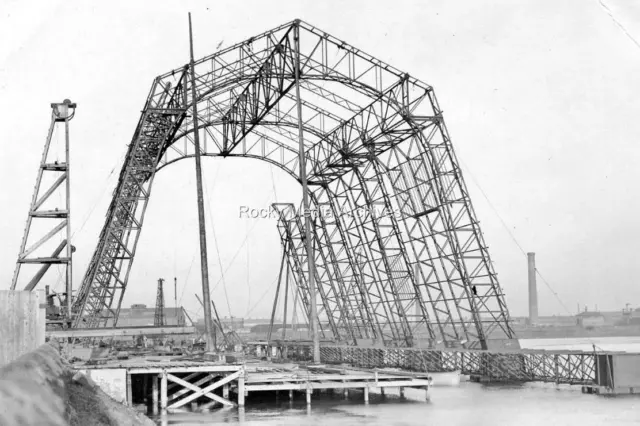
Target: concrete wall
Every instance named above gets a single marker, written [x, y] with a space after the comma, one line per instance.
[22, 323]
[113, 381]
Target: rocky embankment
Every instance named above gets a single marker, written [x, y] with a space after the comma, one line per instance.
[40, 388]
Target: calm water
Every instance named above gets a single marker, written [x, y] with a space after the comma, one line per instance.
[627, 344]
[469, 404]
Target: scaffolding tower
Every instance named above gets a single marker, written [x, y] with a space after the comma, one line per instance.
[49, 216]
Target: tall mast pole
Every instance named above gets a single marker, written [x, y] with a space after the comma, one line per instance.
[69, 277]
[204, 264]
[313, 316]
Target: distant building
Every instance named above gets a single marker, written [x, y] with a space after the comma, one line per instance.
[556, 321]
[590, 319]
[629, 317]
[264, 328]
[228, 324]
[277, 328]
[139, 315]
[545, 321]
[250, 322]
[232, 323]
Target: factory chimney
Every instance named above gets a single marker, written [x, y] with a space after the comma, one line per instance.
[533, 291]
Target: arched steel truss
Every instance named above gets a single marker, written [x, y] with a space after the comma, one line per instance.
[375, 139]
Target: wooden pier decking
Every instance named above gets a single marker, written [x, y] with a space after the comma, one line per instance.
[310, 378]
[167, 383]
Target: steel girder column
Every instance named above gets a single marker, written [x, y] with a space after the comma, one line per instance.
[400, 255]
[331, 286]
[354, 204]
[331, 280]
[376, 301]
[328, 284]
[373, 130]
[107, 274]
[403, 170]
[406, 174]
[483, 287]
[293, 240]
[474, 285]
[288, 240]
[352, 271]
[345, 269]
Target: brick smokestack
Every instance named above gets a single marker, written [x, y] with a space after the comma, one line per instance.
[533, 291]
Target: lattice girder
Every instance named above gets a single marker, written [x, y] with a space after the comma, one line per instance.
[292, 237]
[355, 109]
[339, 241]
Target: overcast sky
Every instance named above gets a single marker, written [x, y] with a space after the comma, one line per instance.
[540, 97]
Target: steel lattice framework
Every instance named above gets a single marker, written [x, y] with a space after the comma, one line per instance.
[159, 317]
[375, 139]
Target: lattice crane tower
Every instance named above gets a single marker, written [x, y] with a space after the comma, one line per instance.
[49, 217]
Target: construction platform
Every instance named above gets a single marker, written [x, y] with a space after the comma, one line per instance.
[293, 377]
[599, 372]
[166, 383]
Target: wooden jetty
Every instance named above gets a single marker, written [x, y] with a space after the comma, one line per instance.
[309, 378]
[165, 383]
